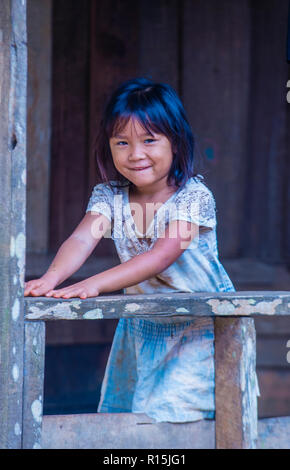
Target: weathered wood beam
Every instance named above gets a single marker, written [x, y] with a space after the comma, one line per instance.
[13, 79]
[213, 304]
[124, 431]
[109, 431]
[34, 352]
[235, 386]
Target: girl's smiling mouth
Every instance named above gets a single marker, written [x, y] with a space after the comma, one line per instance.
[140, 168]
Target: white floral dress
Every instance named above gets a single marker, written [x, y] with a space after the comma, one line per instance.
[164, 367]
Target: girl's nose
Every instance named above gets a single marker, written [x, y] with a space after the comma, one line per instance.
[137, 153]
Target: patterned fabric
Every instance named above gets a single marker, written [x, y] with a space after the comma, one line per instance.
[164, 367]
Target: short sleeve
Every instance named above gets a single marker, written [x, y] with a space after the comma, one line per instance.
[101, 200]
[195, 204]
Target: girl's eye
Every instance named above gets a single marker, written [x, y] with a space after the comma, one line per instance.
[121, 143]
[150, 140]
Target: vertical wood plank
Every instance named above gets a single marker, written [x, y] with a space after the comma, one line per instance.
[287, 191]
[235, 386]
[114, 45]
[268, 155]
[13, 79]
[159, 45]
[70, 109]
[34, 353]
[38, 123]
[216, 68]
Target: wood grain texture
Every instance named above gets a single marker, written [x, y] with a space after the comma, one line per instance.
[159, 40]
[235, 388]
[266, 208]
[34, 351]
[13, 79]
[124, 431]
[275, 397]
[70, 110]
[39, 37]
[215, 90]
[114, 40]
[274, 433]
[211, 304]
[286, 232]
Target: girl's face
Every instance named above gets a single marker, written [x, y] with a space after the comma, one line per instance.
[143, 159]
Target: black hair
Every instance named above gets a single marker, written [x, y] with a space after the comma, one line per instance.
[157, 108]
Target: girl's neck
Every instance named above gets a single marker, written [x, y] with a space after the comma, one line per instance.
[152, 193]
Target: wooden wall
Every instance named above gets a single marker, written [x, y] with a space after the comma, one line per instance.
[39, 99]
[96, 46]
[227, 60]
[70, 117]
[268, 153]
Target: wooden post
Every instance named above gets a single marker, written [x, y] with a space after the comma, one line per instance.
[235, 391]
[13, 77]
[34, 352]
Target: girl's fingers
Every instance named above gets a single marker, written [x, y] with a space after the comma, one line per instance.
[57, 294]
[68, 296]
[75, 293]
[32, 286]
[67, 293]
[70, 293]
[36, 289]
[40, 289]
[64, 291]
[49, 293]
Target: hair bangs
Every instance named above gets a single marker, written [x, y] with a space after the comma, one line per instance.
[145, 117]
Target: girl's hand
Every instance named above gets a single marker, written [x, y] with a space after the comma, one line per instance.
[83, 289]
[39, 287]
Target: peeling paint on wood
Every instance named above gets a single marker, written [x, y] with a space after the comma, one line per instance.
[59, 310]
[33, 384]
[16, 310]
[244, 307]
[235, 348]
[17, 429]
[221, 307]
[13, 87]
[36, 410]
[12, 247]
[132, 307]
[213, 304]
[93, 314]
[15, 372]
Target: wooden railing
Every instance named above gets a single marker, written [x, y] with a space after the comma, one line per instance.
[236, 417]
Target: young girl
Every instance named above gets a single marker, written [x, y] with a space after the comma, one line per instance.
[163, 222]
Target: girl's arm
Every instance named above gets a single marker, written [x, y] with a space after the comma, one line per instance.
[166, 250]
[72, 253]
